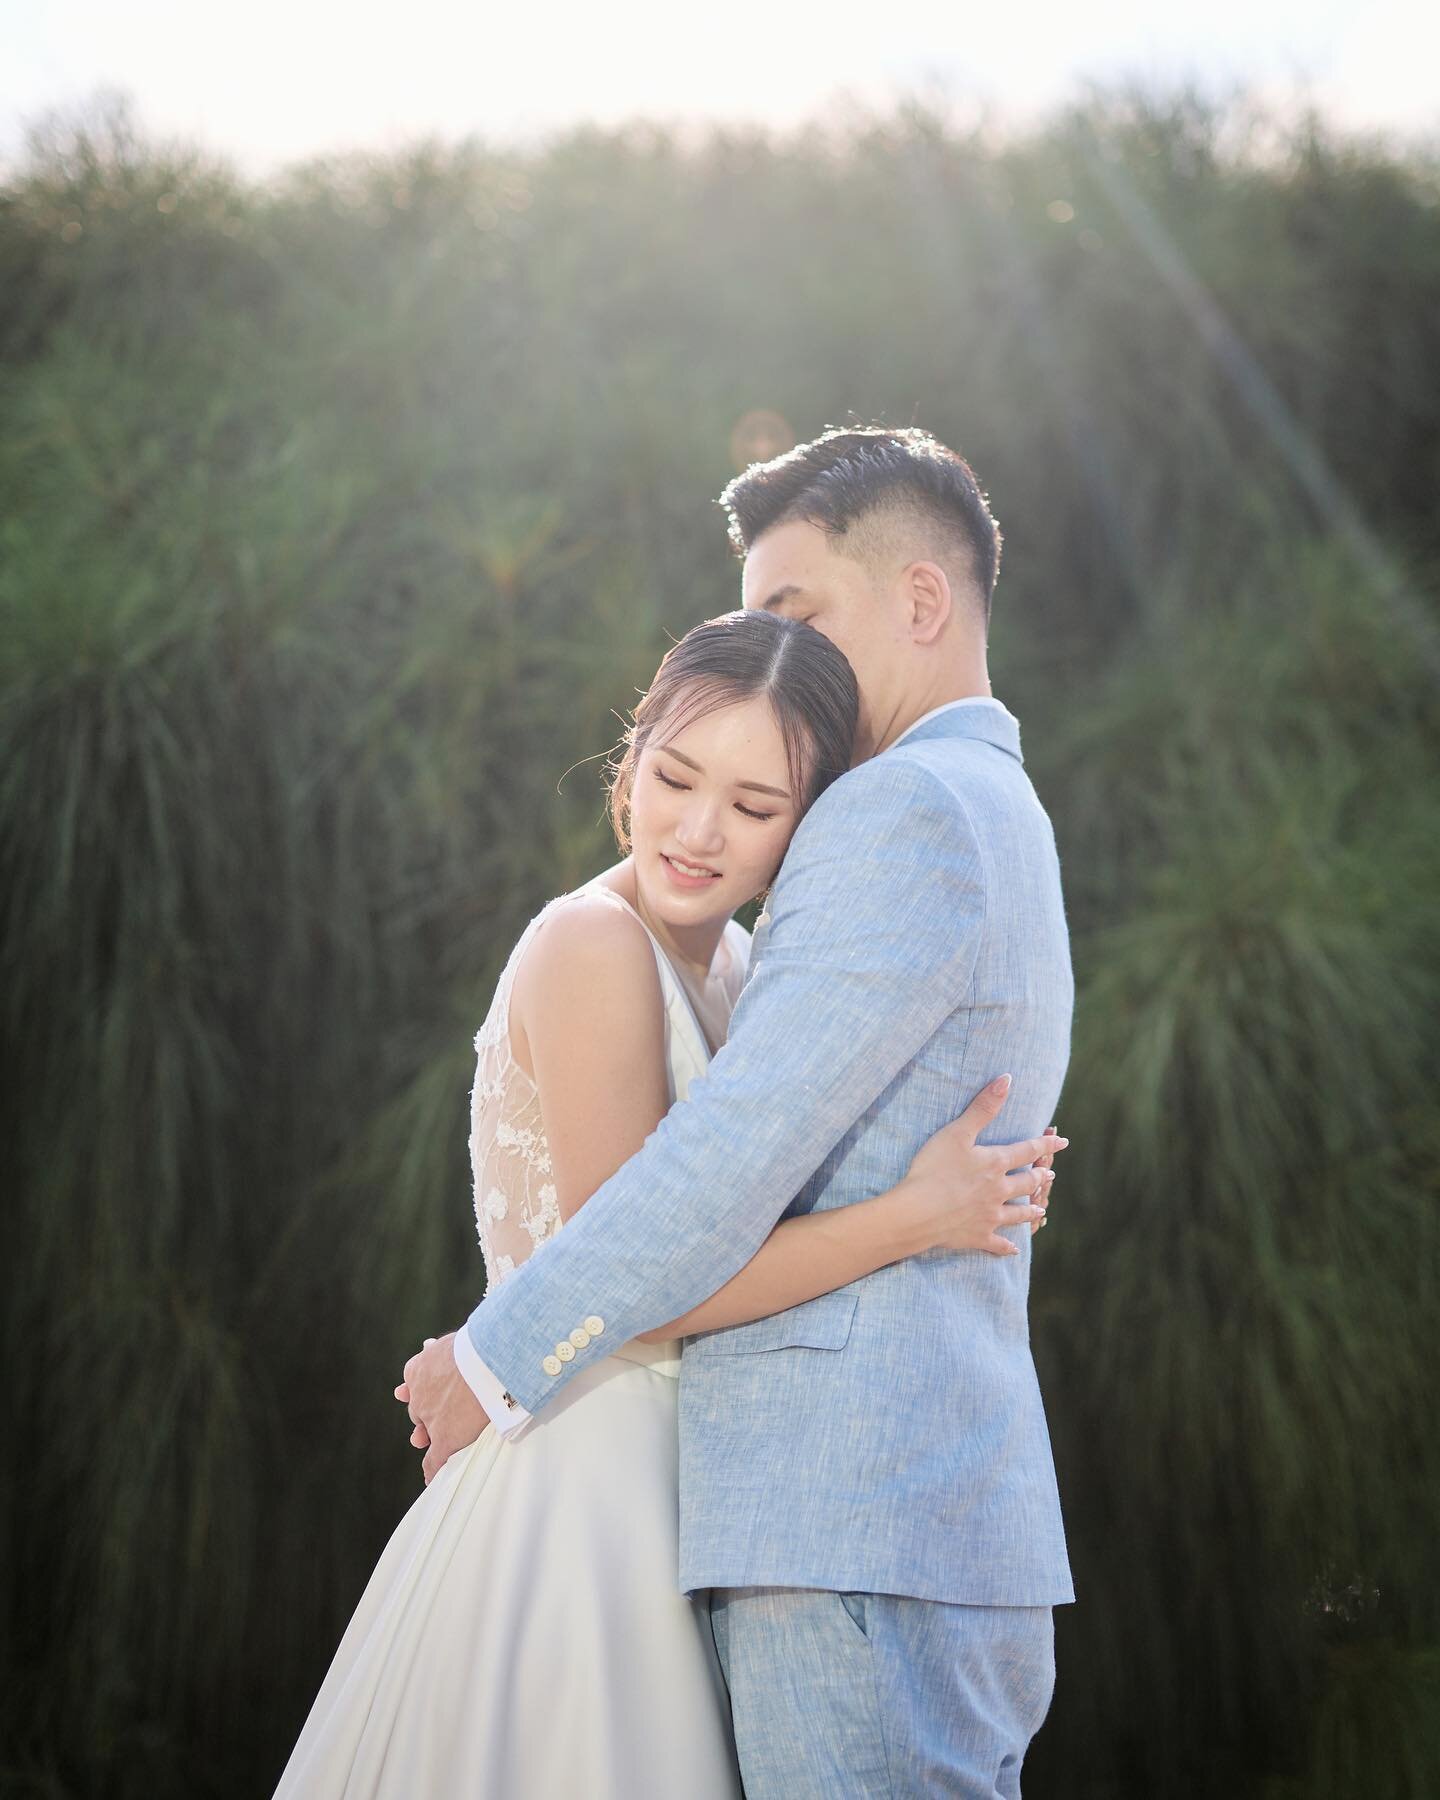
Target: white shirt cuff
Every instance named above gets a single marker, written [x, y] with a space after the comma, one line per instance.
[506, 1415]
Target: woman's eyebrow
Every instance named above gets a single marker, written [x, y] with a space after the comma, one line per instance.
[753, 787]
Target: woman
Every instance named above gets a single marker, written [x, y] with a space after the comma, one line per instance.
[523, 1635]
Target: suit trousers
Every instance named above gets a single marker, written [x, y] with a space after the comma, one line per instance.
[848, 1696]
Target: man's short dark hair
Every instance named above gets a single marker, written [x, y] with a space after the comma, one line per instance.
[873, 484]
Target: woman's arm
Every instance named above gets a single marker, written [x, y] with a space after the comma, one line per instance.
[958, 1195]
[587, 1021]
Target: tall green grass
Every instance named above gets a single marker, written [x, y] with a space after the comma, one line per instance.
[337, 519]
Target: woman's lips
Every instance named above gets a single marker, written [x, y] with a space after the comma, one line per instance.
[682, 879]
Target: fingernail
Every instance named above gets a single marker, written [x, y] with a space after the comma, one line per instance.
[1002, 1086]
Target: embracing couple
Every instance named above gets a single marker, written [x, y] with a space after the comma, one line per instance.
[815, 1554]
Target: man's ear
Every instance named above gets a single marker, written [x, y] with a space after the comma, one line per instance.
[931, 603]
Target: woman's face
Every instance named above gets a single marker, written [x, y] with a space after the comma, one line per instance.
[711, 813]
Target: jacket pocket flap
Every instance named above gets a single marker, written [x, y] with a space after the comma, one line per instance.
[822, 1324]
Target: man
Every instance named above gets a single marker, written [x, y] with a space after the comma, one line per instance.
[866, 1482]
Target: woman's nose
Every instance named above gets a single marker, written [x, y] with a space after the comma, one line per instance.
[699, 829]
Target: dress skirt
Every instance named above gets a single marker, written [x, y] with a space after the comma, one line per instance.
[523, 1636]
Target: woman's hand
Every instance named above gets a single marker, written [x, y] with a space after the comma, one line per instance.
[963, 1194]
[1046, 1164]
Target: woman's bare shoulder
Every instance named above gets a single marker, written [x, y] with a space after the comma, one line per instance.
[590, 947]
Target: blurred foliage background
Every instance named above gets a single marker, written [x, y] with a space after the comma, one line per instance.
[338, 517]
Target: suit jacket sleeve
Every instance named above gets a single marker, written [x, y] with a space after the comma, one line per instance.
[872, 944]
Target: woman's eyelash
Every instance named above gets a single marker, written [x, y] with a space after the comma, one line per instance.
[684, 788]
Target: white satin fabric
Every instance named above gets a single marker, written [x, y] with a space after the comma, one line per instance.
[523, 1636]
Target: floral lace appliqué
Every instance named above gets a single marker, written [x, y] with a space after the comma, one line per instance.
[516, 1205]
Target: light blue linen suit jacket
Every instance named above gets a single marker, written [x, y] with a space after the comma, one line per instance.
[889, 1437]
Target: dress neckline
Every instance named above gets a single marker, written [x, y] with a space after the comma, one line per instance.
[711, 1050]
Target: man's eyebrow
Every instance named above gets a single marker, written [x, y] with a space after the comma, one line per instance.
[780, 596]
[752, 787]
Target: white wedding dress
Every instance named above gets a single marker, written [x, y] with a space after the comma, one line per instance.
[523, 1636]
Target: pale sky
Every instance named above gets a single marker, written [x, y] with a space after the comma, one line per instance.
[275, 80]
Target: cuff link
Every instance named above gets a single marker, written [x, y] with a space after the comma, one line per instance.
[552, 1365]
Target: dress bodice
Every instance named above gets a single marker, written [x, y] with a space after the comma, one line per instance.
[516, 1206]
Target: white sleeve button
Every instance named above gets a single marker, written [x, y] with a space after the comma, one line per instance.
[551, 1365]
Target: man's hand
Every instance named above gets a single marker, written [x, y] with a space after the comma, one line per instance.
[445, 1412]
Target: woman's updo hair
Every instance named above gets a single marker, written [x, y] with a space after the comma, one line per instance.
[808, 682]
